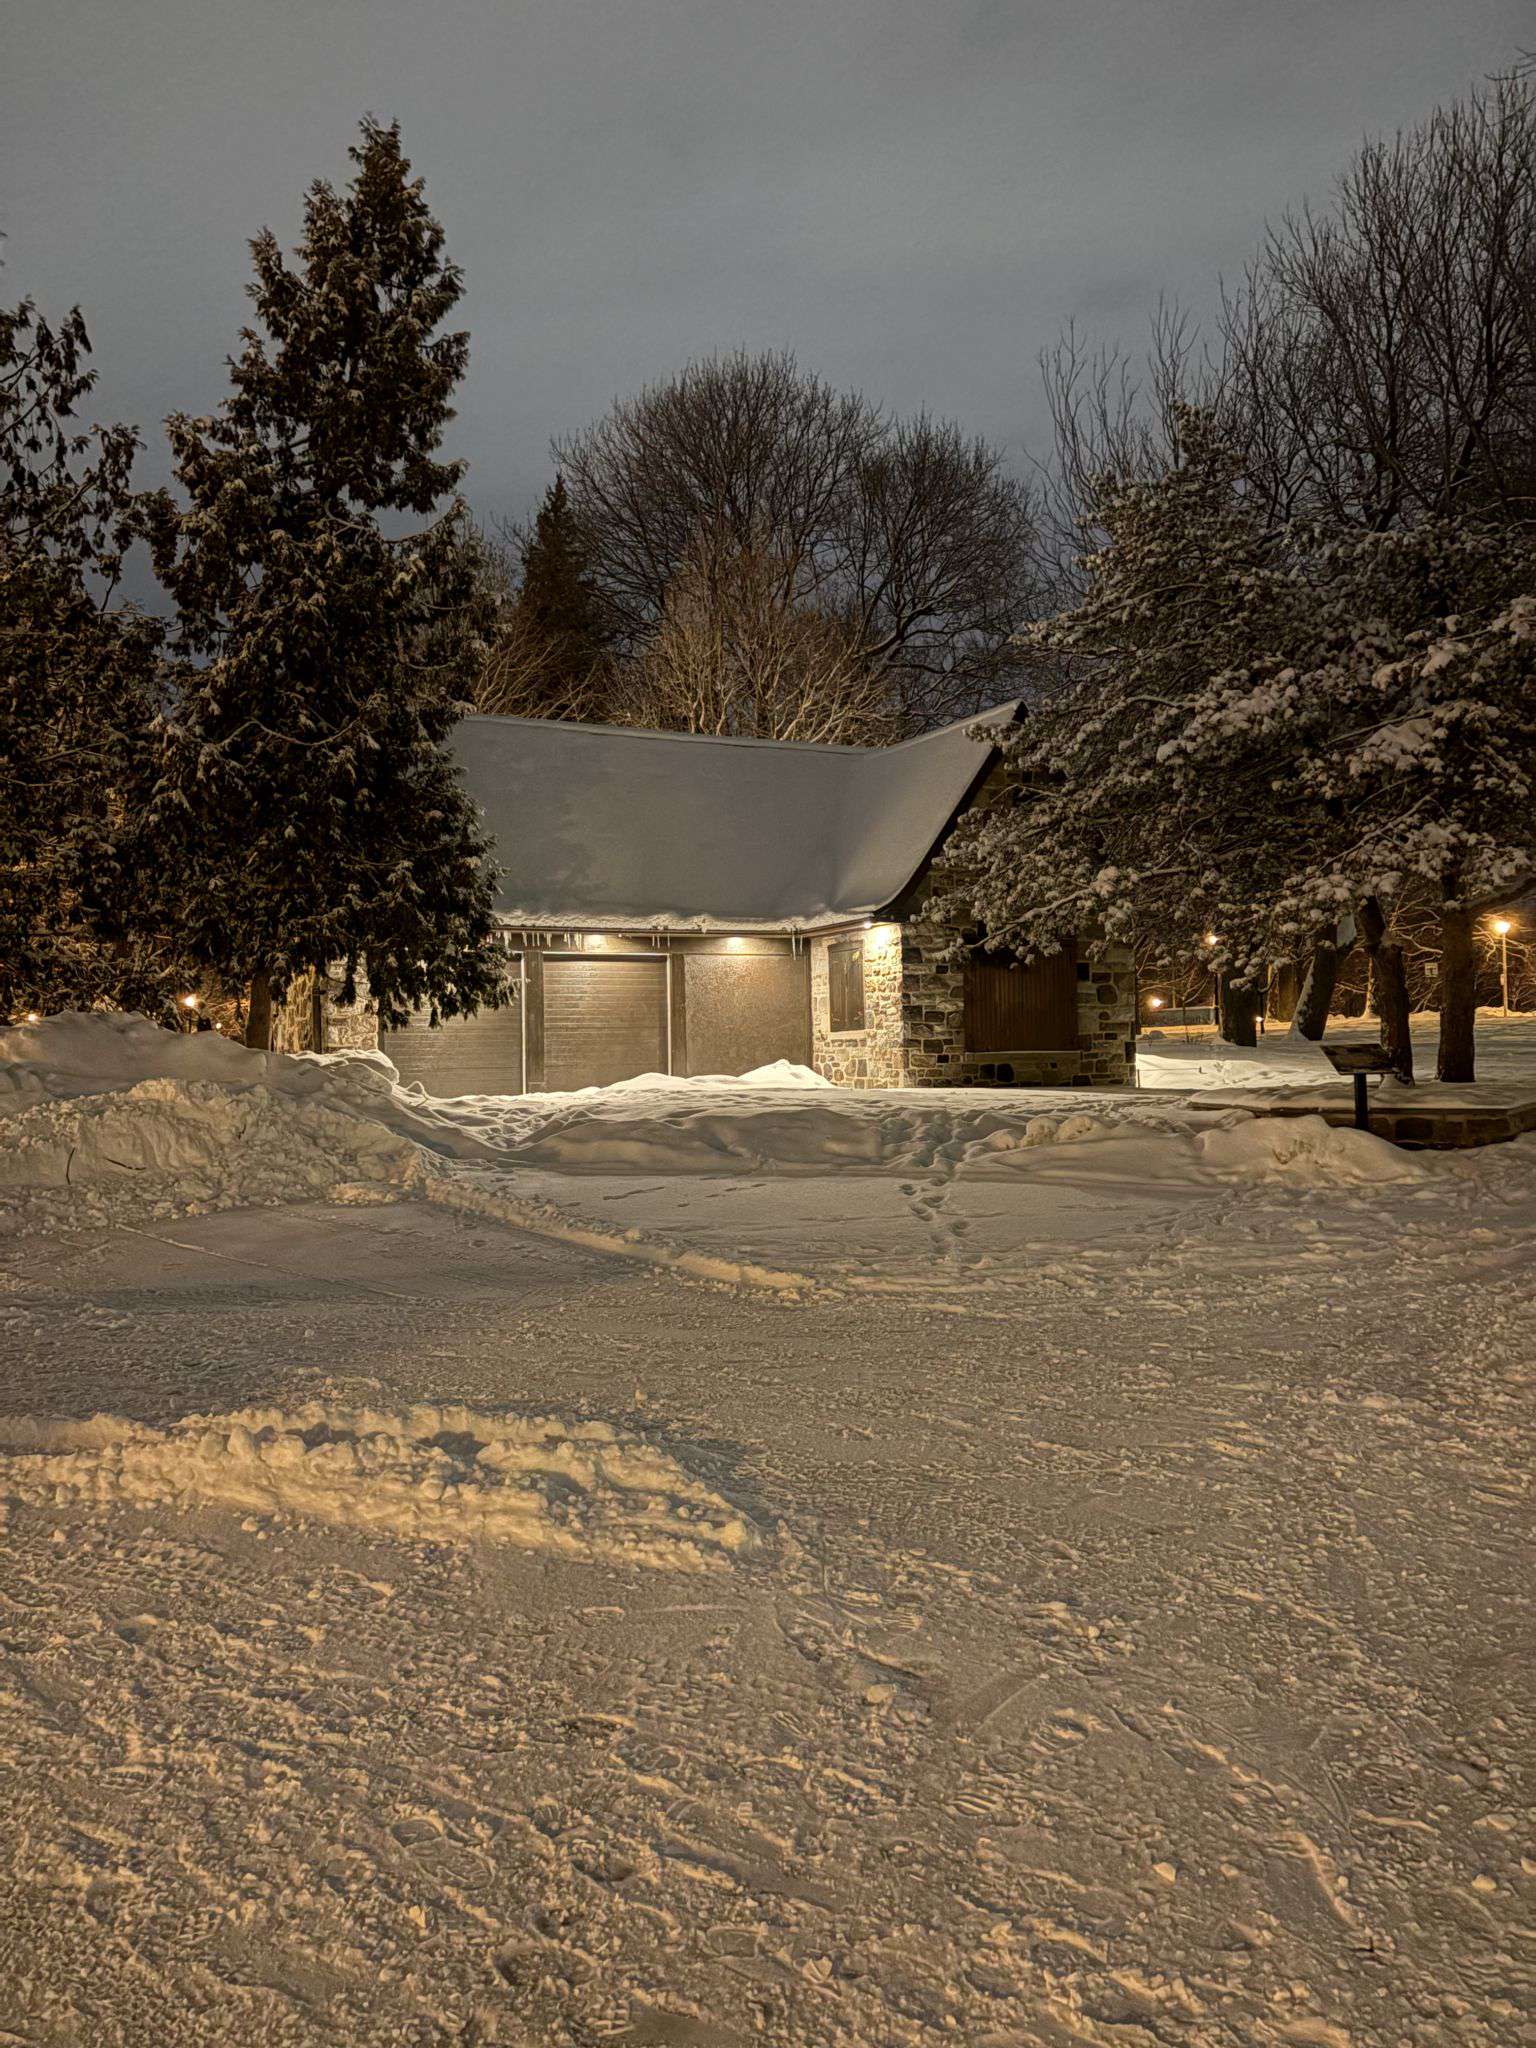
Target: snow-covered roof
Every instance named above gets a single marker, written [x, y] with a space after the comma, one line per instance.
[601, 825]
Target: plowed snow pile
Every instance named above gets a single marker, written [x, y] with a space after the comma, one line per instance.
[107, 1117]
[430, 1474]
[1304, 1146]
[172, 1147]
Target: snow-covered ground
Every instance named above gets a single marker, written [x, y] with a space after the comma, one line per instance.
[1084, 1600]
[1195, 1058]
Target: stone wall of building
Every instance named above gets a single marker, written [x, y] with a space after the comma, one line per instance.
[914, 1012]
[349, 1027]
[933, 1020]
[871, 1058]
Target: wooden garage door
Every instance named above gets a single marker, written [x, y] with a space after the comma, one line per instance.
[1009, 1008]
[479, 1055]
[604, 1020]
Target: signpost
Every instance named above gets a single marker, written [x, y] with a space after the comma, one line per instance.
[1361, 1061]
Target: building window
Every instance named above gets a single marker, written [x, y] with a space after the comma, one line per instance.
[845, 983]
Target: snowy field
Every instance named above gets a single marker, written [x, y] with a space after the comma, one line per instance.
[1071, 1586]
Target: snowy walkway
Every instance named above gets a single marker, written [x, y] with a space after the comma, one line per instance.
[1133, 1647]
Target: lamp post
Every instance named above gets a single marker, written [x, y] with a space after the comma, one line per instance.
[1501, 926]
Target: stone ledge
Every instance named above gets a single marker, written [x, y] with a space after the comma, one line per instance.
[1438, 1117]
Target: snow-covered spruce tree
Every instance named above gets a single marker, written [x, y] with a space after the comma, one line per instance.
[551, 654]
[1110, 826]
[80, 683]
[318, 818]
[1279, 728]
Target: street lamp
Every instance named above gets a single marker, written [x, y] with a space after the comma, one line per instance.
[1501, 926]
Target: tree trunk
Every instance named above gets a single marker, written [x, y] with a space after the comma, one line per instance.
[1389, 981]
[1239, 1012]
[1282, 992]
[1315, 1001]
[258, 1012]
[1458, 995]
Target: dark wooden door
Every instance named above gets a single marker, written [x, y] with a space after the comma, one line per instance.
[1009, 1008]
[604, 1020]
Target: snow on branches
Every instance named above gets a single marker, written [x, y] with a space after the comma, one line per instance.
[1266, 725]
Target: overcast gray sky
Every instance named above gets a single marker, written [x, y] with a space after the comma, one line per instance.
[913, 195]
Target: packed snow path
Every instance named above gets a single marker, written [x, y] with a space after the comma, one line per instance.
[1135, 1654]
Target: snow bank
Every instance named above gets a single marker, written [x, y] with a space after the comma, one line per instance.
[432, 1474]
[777, 1074]
[201, 1136]
[107, 1117]
[1306, 1148]
[732, 1129]
[104, 1116]
[91, 1052]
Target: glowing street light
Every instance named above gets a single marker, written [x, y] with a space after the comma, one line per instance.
[1154, 1002]
[1502, 926]
[189, 1002]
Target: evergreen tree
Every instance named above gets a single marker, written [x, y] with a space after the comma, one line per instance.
[550, 657]
[304, 777]
[80, 676]
[1274, 727]
[557, 595]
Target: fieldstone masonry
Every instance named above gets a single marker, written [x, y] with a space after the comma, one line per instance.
[348, 1027]
[914, 1008]
[875, 1056]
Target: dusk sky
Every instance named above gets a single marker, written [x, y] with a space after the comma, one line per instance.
[912, 198]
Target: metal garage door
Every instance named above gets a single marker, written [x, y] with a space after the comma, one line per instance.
[744, 1010]
[604, 1020]
[479, 1055]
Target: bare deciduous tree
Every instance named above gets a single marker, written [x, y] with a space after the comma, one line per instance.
[910, 534]
[527, 675]
[733, 653]
[1377, 364]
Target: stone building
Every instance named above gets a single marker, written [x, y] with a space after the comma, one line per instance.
[692, 905]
